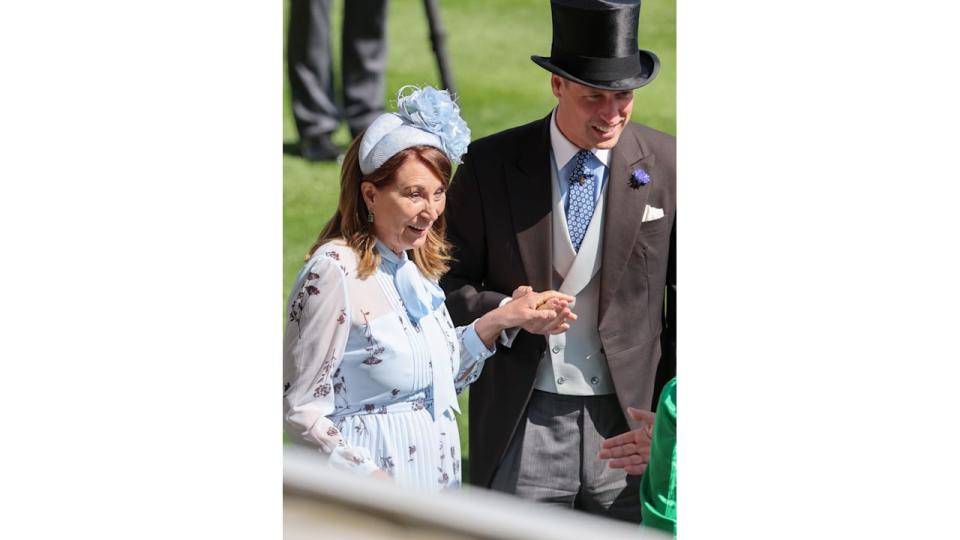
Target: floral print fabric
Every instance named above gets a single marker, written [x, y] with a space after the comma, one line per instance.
[358, 374]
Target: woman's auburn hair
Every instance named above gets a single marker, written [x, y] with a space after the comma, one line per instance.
[350, 221]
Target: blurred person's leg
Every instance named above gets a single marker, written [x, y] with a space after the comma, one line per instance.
[605, 491]
[364, 62]
[542, 462]
[310, 69]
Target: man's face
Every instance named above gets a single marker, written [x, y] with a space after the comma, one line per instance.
[588, 117]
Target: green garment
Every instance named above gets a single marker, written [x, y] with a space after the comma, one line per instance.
[658, 487]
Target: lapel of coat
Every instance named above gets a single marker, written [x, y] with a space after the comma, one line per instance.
[528, 186]
[587, 260]
[624, 213]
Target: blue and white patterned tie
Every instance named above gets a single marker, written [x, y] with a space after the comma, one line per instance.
[580, 200]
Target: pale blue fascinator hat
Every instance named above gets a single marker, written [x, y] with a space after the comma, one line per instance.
[425, 117]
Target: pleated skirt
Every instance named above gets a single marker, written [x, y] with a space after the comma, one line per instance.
[410, 446]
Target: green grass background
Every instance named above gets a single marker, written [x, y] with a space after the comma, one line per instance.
[489, 43]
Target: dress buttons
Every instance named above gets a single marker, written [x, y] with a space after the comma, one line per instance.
[595, 380]
[556, 349]
[560, 380]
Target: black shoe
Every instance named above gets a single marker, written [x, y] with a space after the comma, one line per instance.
[319, 148]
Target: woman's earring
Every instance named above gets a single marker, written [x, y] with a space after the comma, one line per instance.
[369, 216]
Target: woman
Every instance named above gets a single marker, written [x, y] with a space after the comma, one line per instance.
[372, 362]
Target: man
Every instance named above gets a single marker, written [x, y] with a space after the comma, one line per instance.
[582, 201]
[310, 68]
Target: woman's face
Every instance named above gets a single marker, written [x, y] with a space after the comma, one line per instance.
[405, 210]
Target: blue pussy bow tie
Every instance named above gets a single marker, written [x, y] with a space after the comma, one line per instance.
[420, 296]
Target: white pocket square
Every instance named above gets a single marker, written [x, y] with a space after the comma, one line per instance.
[651, 213]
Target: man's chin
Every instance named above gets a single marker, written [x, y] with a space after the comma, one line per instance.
[607, 144]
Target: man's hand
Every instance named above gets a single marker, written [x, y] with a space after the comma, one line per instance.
[630, 451]
[540, 313]
[552, 310]
[522, 290]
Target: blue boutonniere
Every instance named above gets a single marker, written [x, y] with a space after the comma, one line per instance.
[639, 178]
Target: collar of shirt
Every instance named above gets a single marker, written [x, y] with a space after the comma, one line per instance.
[419, 295]
[563, 153]
[390, 261]
[564, 150]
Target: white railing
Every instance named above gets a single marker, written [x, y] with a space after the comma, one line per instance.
[320, 502]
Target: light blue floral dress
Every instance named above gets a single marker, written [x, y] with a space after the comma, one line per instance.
[359, 374]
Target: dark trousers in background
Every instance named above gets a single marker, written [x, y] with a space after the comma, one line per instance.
[310, 66]
[552, 457]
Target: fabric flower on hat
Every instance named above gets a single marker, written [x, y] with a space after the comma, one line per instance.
[434, 111]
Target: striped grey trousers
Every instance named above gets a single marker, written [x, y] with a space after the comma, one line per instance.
[552, 457]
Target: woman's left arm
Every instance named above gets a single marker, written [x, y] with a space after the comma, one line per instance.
[478, 339]
[473, 354]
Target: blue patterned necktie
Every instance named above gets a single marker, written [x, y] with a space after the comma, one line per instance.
[580, 200]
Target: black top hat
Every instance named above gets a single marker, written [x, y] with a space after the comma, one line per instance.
[595, 44]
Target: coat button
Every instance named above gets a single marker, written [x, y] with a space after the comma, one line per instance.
[595, 380]
[556, 349]
[560, 380]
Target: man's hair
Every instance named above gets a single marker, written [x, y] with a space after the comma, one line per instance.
[350, 221]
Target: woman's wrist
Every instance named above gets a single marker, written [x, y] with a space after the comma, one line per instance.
[489, 326]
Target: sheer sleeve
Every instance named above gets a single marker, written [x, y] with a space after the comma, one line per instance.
[318, 325]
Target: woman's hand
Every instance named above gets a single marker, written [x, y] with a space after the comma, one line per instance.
[547, 301]
[380, 474]
[538, 313]
[546, 311]
[524, 290]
